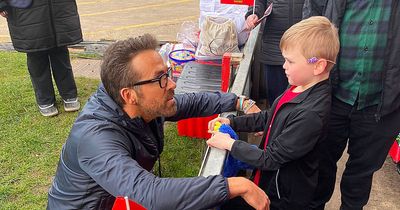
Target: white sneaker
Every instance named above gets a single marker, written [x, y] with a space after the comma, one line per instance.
[48, 110]
[71, 105]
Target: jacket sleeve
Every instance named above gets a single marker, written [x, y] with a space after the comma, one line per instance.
[250, 122]
[203, 104]
[113, 168]
[297, 139]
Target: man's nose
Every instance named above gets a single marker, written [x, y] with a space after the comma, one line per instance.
[171, 84]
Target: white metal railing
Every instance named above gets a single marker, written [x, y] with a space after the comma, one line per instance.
[214, 158]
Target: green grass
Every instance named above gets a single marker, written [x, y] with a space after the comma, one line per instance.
[30, 144]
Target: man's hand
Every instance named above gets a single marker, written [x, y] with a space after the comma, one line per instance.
[251, 193]
[220, 141]
[4, 14]
[222, 120]
[251, 22]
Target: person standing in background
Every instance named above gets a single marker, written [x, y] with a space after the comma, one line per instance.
[284, 14]
[365, 114]
[43, 30]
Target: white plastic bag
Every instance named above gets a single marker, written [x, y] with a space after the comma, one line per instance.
[234, 12]
[218, 35]
[188, 35]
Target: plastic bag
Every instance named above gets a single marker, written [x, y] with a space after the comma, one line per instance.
[234, 12]
[188, 35]
[218, 35]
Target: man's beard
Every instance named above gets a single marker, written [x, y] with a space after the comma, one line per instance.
[155, 108]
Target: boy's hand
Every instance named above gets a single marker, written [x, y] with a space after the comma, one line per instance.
[220, 141]
[222, 120]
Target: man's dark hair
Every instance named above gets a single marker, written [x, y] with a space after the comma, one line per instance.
[116, 69]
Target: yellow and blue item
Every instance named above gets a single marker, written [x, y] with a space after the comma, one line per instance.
[231, 166]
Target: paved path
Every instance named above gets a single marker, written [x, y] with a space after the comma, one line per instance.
[119, 19]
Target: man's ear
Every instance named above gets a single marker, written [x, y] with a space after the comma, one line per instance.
[320, 66]
[129, 96]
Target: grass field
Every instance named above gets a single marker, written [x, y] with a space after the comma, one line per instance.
[30, 144]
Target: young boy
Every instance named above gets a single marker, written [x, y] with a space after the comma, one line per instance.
[286, 161]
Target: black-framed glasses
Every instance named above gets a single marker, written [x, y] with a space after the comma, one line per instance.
[162, 80]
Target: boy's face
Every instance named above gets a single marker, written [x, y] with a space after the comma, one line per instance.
[297, 70]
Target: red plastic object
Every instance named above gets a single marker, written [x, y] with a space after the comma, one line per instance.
[395, 152]
[195, 127]
[242, 2]
[226, 72]
[198, 127]
[121, 204]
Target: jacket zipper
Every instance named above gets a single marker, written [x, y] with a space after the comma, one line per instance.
[277, 185]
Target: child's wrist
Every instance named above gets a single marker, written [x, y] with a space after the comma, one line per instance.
[230, 144]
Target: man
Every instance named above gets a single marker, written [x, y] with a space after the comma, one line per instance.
[366, 97]
[118, 137]
[43, 30]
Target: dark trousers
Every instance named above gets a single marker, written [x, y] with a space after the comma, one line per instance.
[368, 144]
[41, 65]
[276, 81]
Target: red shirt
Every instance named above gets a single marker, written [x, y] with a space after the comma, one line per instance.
[286, 97]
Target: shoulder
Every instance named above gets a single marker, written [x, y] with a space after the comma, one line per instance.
[93, 137]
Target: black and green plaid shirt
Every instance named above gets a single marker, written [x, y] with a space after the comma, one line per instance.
[363, 35]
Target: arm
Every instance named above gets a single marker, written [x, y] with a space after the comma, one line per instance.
[203, 104]
[297, 139]
[107, 158]
[250, 122]
[253, 195]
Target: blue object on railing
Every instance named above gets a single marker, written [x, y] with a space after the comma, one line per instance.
[232, 166]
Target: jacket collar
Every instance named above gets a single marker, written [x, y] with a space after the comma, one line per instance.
[111, 111]
[302, 96]
[102, 106]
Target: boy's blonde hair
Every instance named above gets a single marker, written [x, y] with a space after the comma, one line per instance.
[315, 36]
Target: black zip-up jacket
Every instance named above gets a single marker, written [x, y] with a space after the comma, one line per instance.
[108, 154]
[46, 24]
[289, 164]
[284, 14]
[390, 98]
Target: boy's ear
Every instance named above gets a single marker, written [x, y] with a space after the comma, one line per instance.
[320, 66]
[129, 96]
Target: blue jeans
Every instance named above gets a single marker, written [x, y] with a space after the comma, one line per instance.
[276, 80]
